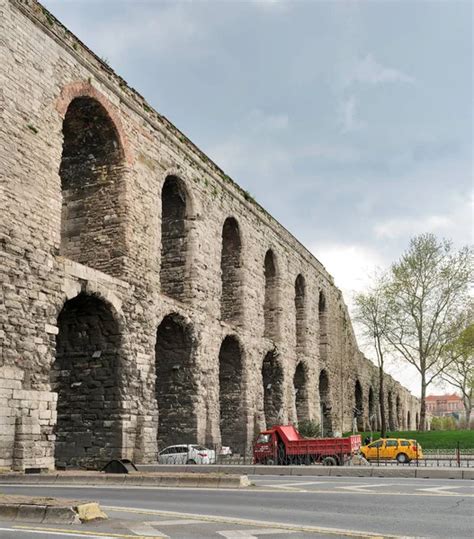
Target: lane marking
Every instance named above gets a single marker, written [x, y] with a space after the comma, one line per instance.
[78, 533]
[293, 486]
[445, 492]
[144, 529]
[362, 488]
[176, 522]
[257, 523]
[62, 534]
[250, 534]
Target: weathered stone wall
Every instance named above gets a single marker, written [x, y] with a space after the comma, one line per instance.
[136, 281]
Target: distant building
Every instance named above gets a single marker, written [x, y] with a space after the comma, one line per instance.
[445, 405]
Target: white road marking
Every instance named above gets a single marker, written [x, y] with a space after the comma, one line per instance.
[261, 523]
[362, 488]
[47, 533]
[144, 529]
[176, 522]
[441, 490]
[293, 485]
[251, 534]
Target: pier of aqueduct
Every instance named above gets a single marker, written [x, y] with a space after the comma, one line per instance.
[145, 299]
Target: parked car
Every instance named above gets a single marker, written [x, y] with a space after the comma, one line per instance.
[186, 454]
[392, 448]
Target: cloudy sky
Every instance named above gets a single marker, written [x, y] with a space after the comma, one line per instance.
[351, 122]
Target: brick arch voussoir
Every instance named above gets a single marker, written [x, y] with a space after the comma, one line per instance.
[85, 89]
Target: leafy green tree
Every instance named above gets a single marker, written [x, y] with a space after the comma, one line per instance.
[460, 370]
[426, 293]
[371, 312]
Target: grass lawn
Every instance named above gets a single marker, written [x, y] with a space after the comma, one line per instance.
[433, 439]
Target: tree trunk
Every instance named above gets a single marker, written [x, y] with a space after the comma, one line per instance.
[383, 422]
[422, 425]
[467, 407]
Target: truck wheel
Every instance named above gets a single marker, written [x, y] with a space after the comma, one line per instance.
[269, 462]
[190, 461]
[402, 458]
[329, 461]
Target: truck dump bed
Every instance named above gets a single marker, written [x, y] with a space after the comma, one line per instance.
[295, 444]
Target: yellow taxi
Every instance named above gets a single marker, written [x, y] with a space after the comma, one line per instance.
[392, 448]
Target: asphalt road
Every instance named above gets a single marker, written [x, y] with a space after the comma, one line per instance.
[277, 506]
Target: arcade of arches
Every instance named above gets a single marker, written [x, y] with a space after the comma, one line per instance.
[145, 298]
[87, 370]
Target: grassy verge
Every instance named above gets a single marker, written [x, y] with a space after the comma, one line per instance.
[433, 439]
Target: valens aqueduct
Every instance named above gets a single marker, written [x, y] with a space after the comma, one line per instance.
[145, 298]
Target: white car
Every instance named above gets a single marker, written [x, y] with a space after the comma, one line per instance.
[186, 454]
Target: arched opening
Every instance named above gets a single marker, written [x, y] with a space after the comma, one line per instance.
[325, 404]
[175, 384]
[417, 421]
[300, 384]
[391, 418]
[91, 172]
[231, 271]
[408, 420]
[372, 410]
[359, 406]
[232, 424]
[174, 241]
[399, 416]
[323, 334]
[300, 313]
[86, 376]
[270, 306]
[272, 378]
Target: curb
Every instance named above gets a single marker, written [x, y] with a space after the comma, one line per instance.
[175, 478]
[64, 513]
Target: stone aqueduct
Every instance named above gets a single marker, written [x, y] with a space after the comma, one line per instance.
[145, 298]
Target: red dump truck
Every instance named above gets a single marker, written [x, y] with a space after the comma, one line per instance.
[283, 444]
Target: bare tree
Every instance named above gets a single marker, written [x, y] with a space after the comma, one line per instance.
[371, 314]
[460, 372]
[426, 292]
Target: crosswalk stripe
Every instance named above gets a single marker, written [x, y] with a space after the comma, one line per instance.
[145, 530]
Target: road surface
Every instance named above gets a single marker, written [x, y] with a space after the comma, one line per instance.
[277, 506]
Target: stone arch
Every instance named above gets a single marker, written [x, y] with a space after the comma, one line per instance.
[372, 410]
[231, 262]
[174, 237]
[300, 313]
[232, 423]
[391, 418]
[273, 397]
[300, 384]
[408, 420]
[359, 405]
[325, 403]
[175, 381]
[417, 421]
[270, 306]
[86, 375]
[71, 91]
[92, 171]
[323, 330]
